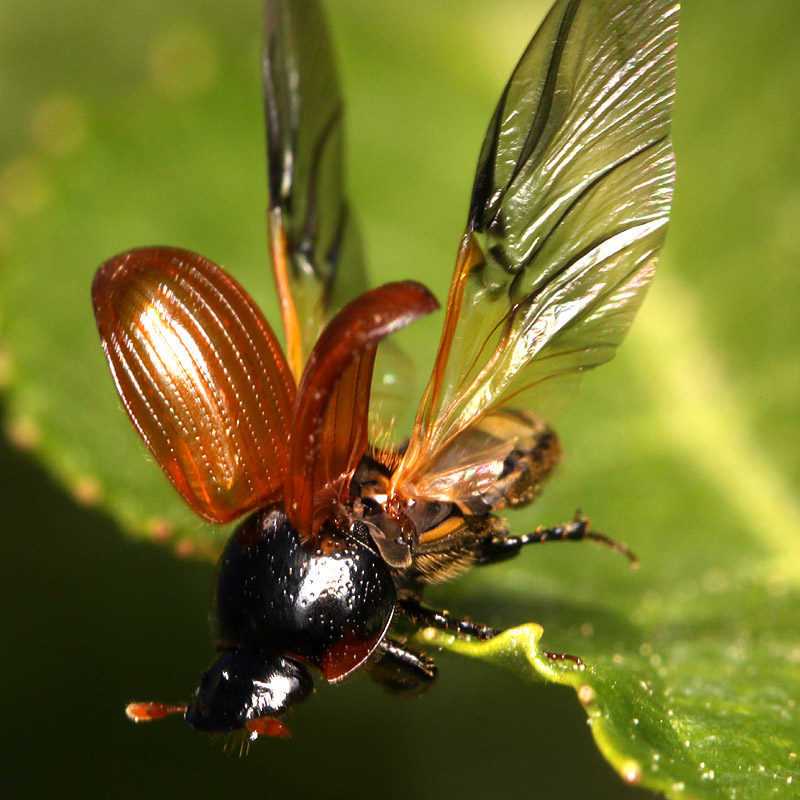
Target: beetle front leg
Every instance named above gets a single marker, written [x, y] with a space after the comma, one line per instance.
[500, 548]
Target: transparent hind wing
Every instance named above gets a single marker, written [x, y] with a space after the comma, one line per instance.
[569, 210]
[314, 242]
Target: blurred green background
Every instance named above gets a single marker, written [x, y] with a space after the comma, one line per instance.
[140, 122]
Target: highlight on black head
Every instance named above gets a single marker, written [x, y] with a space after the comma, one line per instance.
[244, 689]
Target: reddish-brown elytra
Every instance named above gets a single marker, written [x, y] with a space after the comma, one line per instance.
[568, 212]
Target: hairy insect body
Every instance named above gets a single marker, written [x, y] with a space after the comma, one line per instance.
[427, 541]
[534, 456]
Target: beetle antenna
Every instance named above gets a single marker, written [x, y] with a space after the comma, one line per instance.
[144, 712]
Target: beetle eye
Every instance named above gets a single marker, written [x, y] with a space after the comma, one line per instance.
[241, 686]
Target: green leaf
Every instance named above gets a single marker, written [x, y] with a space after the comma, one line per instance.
[134, 124]
[690, 703]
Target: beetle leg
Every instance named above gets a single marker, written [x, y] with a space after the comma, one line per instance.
[400, 670]
[430, 618]
[443, 620]
[500, 548]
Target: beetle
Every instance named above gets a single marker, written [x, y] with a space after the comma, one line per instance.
[568, 212]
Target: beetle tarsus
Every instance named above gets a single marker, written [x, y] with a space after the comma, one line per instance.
[400, 670]
[563, 657]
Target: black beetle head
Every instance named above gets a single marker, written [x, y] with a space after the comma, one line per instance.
[242, 689]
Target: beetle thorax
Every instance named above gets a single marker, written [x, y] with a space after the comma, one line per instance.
[328, 602]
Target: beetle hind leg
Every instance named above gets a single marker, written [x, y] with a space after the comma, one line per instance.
[400, 670]
[426, 617]
[443, 620]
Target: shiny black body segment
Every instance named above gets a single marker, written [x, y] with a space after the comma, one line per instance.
[242, 685]
[280, 604]
[315, 602]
